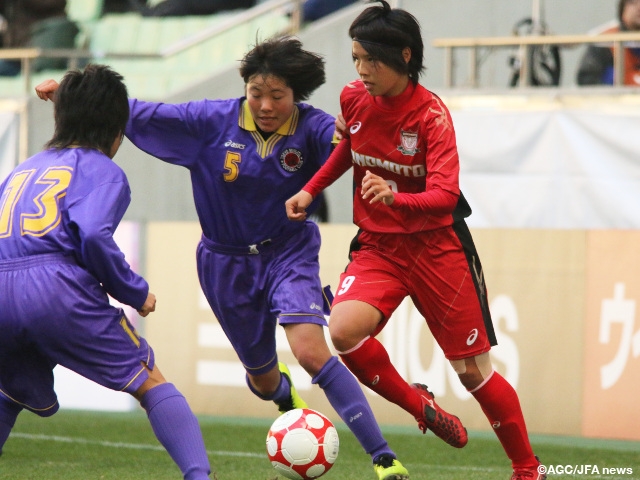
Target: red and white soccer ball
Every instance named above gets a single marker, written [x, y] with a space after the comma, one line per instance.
[302, 444]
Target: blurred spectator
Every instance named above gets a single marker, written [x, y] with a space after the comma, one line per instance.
[596, 66]
[315, 9]
[178, 8]
[36, 23]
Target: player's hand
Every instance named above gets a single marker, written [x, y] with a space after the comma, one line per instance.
[297, 206]
[341, 127]
[47, 89]
[377, 189]
[149, 305]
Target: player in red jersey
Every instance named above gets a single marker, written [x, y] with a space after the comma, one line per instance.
[412, 239]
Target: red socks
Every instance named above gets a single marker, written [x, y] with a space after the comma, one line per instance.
[370, 362]
[499, 402]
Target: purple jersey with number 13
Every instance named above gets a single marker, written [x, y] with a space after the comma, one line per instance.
[58, 261]
[58, 199]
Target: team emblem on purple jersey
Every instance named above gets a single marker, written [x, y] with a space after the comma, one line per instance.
[409, 142]
[291, 160]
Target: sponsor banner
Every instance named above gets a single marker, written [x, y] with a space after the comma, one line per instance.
[562, 301]
[612, 336]
[537, 295]
[535, 281]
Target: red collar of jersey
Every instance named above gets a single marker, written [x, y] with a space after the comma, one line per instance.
[397, 101]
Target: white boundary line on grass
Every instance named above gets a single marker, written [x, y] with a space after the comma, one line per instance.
[142, 446]
[132, 446]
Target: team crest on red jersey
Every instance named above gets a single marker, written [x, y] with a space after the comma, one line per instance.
[408, 143]
[291, 160]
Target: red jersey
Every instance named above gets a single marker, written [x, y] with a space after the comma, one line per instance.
[409, 141]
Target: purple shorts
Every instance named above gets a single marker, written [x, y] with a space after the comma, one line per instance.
[250, 293]
[53, 311]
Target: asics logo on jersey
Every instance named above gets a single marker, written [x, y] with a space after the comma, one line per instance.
[375, 381]
[473, 335]
[397, 168]
[232, 144]
[355, 127]
[315, 306]
[495, 425]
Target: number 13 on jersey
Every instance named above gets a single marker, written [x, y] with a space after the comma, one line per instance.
[52, 186]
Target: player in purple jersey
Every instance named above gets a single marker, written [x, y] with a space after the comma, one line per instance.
[246, 156]
[58, 262]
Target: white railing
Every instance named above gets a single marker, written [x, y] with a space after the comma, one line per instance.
[524, 44]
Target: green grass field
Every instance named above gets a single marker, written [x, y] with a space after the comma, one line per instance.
[120, 446]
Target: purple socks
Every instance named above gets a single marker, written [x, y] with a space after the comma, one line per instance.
[177, 429]
[8, 413]
[347, 398]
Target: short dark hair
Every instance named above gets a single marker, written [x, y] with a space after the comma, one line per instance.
[384, 32]
[283, 57]
[91, 109]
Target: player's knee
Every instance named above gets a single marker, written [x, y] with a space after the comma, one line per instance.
[340, 338]
[470, 380]
[154, 379]
[308, 345]
[351, 322]
[473, 371]
[343, 336]
[312, 357]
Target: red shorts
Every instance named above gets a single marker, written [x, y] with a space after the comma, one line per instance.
[441, 272]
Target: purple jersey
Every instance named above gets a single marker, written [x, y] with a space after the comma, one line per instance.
[70, 201]
[240, 180]
[58, 261]
[255, 266]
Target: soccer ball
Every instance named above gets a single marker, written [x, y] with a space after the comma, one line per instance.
[302, 444]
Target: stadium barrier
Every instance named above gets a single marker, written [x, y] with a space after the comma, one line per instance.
[157, 55]
[525, 44]
[563, 303]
